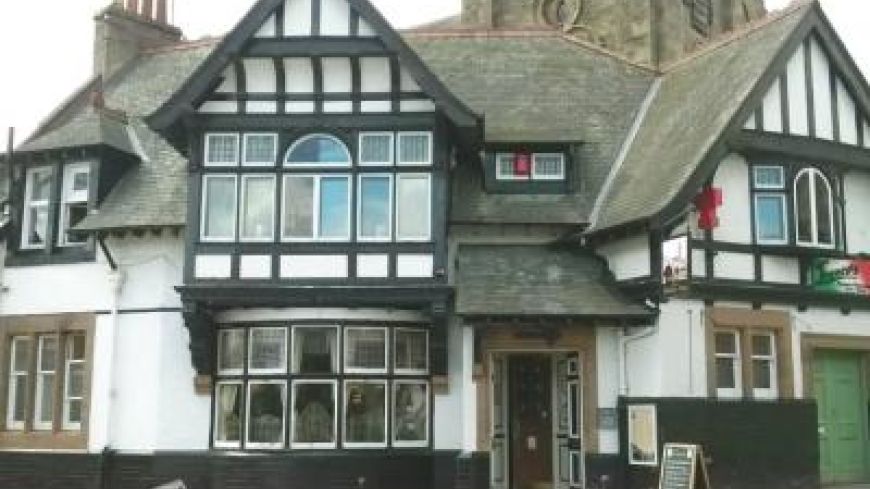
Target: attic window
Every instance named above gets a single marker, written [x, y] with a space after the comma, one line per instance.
[524, 166]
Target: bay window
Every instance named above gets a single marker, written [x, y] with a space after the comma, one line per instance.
[37, 195]
[258, 208]
[316, 207]
[219, 208]
[374, 392]
[814, 209]
[413, 207]
[374, 208]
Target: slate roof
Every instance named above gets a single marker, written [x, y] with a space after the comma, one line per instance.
[90, 127]
[494, 281]
[698, 97]
[536, 86]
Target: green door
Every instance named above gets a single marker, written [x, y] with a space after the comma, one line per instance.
[839, 390]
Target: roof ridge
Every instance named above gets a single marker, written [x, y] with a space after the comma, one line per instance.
[477, 32]
[607, 52]
[740, 33]
[183, 45]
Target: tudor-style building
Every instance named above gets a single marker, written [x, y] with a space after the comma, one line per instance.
[521, 248]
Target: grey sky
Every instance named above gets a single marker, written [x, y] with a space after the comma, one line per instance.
[46, 60]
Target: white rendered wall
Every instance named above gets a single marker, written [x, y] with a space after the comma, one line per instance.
[857, 187]
[454, 412]
[608, 365]
[628, 258]
[732, 177]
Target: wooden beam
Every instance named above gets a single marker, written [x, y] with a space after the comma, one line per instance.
[802, 148]
[306, 47]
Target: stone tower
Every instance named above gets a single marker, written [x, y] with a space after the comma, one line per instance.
[653, 32]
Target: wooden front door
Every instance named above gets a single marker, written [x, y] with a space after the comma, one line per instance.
[531, 423]
[842, 406]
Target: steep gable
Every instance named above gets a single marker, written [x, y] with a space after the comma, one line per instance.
[312, 57]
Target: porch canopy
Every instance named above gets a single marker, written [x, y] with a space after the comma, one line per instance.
[522, 281]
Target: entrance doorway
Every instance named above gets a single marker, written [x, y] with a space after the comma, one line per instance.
[536, 442]
[841, 396]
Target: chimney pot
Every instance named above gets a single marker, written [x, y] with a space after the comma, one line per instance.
[148, 9]
[161, 12]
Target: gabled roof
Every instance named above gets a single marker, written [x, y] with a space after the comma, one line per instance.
[536, 86]
[538, 281]
[701, 100]
[233, 44]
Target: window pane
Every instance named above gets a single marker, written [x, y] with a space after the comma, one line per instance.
[804, 211]
[414, 148]
[319, 150]
[410, 412]
[78, 347]
[365, 408]
[762, 345]
[315, 350]
[260, 148]
[299, 207]
[38, 225]
[48, 354]
[46, 398]
[220, 207]
[726, 343]
[258, 209]
[334, 213]
[549, 166]
[411, 351]
[823, 210]
[761, 373]
[365, 349]
[232, 350]
[505, 164]
[412, 201]
[725, 373]
[18, 411]
[375, 207]
[314, 413]
[268, 349]
[73, 215]
[21, 358]
[74, 411]
[222, 148]
[769, 177]
[75, 385]
[770, 214]
[229, 413]
[80, 181]
[40, 185]
[376, 148]
[267, 413]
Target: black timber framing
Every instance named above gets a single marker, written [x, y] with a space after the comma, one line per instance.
[233, 122]
[305, 47]
[747, 291]
[802, 148]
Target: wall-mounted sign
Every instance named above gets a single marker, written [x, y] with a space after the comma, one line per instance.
[683, 467]
[851, 276]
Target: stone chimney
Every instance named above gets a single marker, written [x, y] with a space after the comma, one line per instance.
[125, 28]
[653, 32]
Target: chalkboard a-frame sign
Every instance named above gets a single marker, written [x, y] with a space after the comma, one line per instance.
[683, 467]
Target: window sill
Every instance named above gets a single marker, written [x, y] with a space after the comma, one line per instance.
[33, 440]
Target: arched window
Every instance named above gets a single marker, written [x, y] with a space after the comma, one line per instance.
[814, 209]
[318, 150]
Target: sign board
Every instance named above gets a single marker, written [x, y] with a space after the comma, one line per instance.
[683, 467]
[846, 276]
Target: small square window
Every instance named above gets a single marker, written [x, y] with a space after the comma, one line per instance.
[548, 166]
[507, 168]
[315, 350]
[376, 149]
[769, 177]
[260, 149]
[415, 148]
[221, 149]
[365, 350]
[268, 350]
[411, 351]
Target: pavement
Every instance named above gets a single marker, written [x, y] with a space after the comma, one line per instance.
[859, 486]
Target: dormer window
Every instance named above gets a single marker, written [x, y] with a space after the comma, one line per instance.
[522, 165]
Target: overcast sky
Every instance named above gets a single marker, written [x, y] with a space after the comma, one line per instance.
[46, 45]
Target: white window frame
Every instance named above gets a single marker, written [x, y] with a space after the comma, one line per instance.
[265, 446]
[762, 186]
[392, 146]
[512, 177]
[29, 203]
[573, 400]
[15, 343]
[390, 210]
[362, 370]
[575, 464]
[67, 424]
[653, 411]
[348, 444]
[220, 164]
[773, 391]
[316, 224]
[39, 425]
[66, 197]
[338, 352]
[737, 366]
[217, 410]
[204, 205]
[266, 371]
[409, 371]
[259, 164]
[305, 138]
[814, 174]
[534, 174]
[229, 371]
[241, 208]
[319, 445]
[428, 214]
[392, 399]
[760, 195]
[404, 134]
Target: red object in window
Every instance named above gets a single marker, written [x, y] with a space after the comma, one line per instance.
[708, 203]
[522, 163]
